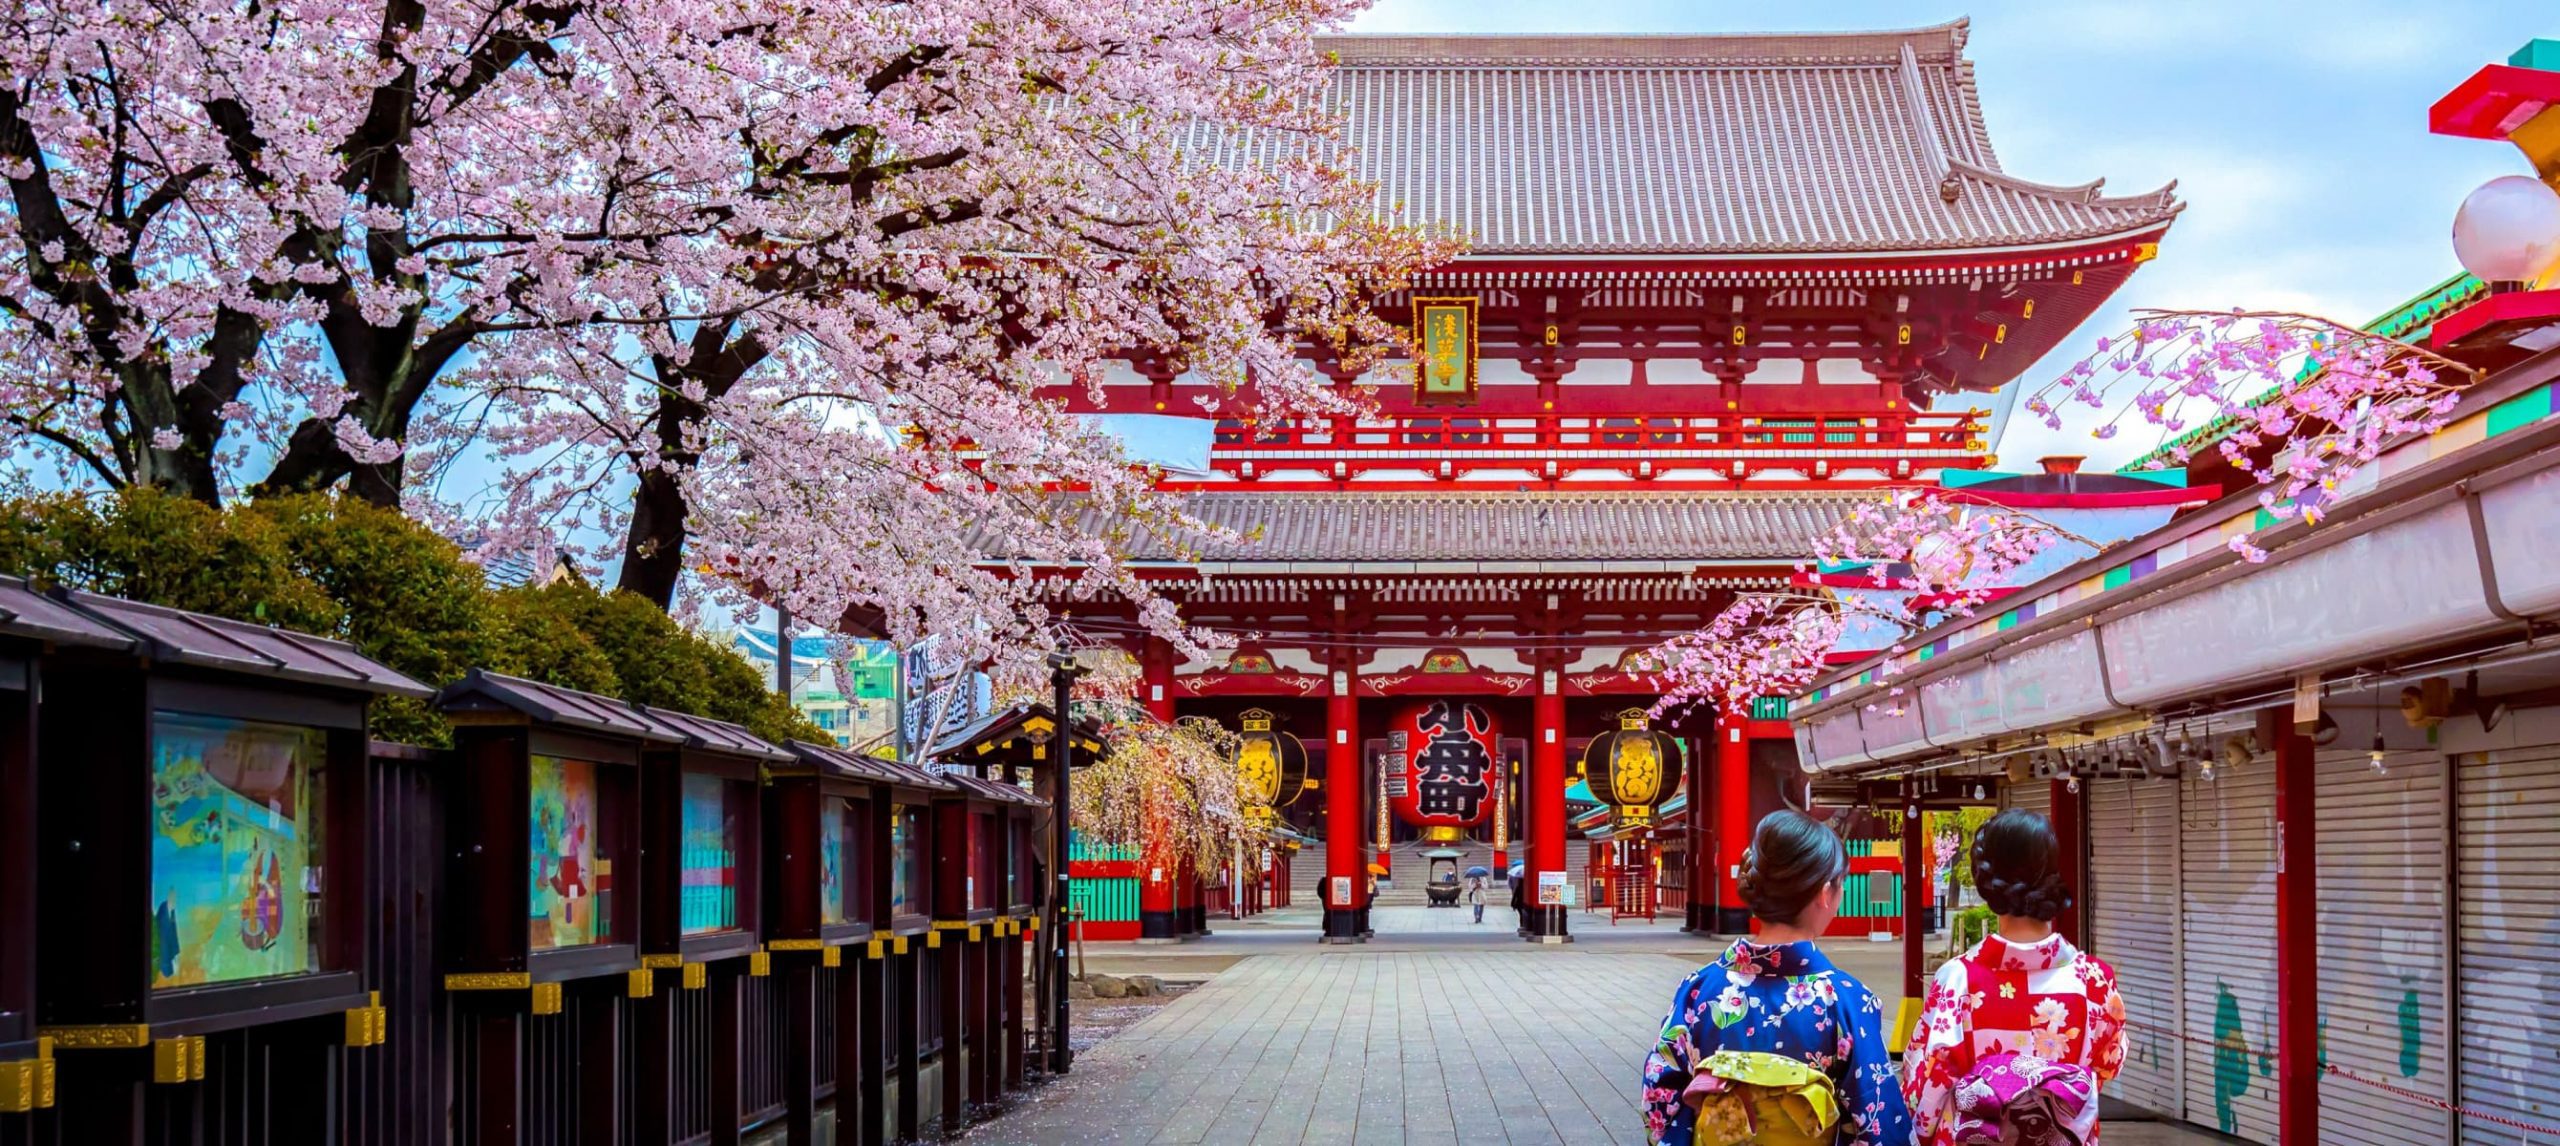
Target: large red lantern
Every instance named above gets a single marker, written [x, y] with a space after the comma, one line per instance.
[1440, 766]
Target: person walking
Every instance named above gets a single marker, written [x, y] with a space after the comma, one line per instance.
[1771, 1043]
[1475, 895]
[2019, 1032]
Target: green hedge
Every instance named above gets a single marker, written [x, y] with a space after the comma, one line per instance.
[393, 588]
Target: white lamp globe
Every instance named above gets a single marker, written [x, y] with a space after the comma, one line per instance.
[2508, 230]
[1939, 559]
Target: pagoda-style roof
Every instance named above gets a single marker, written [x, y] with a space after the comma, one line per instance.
[1508, 529]
[1864, 143]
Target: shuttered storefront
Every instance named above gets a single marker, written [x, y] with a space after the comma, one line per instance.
[2508, 885]
[2133, 926]
[2033, 795]
[2227, 872]
[2382, 975]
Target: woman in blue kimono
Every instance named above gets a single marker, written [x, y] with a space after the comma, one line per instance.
[1779, 995]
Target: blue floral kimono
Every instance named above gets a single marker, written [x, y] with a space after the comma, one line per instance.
[1786, 999]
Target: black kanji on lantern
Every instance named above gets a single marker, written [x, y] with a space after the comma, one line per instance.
[1449, 773]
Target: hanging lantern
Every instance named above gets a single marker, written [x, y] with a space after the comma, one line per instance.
[1632, 767]
[1440, 767]
[1271, 767]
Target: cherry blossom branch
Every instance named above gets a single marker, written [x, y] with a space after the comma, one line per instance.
[2299, 402]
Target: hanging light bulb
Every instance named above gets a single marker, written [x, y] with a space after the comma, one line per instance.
[2072, 785]
[2375, 756]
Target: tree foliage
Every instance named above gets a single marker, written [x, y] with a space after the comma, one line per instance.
[339, 567]
[1167, 789]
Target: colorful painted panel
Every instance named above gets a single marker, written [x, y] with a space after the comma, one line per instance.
[835, 817]
[710, 855]
[235, 849]
[906, 863]
[569, 901]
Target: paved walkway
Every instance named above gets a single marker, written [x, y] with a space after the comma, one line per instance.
[1436, 1032]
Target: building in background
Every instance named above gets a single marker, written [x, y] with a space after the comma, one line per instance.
[855, 698]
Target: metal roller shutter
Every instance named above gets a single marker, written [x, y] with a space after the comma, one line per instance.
[2133, 925]
[2033, 795]
[2227, 872]
[2508, 884]
[2382, 975]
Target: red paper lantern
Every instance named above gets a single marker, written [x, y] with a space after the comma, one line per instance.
[1441, 766]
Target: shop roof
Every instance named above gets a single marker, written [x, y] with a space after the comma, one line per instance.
[550, 704]
[198, 640]
[716, 735]
[33, 616]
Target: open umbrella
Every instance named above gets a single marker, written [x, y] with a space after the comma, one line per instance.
[1377, 869]
[1515, 872]
[1479, 871]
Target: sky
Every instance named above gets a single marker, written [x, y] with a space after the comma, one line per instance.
[2296, 132]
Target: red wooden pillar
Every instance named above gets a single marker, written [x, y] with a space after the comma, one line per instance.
[1915, 905]
[1344, 888]
[1159, 905]
[1732, 790]
[1546, 804]
[2067, 829]
[1697, 823]
[2297, 946]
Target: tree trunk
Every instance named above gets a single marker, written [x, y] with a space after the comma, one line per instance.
[653, 547]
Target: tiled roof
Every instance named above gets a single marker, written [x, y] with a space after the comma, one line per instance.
[828, 758]
[710, 735]
[30, 615]
[174, 636]
[1751, 144]
[1505, 527]
[481, 689]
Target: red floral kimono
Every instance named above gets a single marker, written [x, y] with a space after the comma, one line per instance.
[2045, 999]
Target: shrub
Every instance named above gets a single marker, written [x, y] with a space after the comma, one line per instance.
[397, 591]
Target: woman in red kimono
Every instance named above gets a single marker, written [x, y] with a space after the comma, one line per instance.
[2024, 1025]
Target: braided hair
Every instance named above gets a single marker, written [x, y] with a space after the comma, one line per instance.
[2017, 866]
[1792, 858]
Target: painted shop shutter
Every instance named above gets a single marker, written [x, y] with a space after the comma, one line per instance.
[2227, 874]
[2508, 884]
[2133, 925]
[2381, 938]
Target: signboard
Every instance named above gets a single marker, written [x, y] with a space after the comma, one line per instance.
[1341, 896]
[1444, 343]
[1554, 889]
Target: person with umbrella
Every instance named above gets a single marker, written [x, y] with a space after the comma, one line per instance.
[1475, 888]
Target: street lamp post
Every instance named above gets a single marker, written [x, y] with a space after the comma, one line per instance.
[1063, 672]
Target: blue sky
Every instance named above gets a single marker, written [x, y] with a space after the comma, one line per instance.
[2300, 145]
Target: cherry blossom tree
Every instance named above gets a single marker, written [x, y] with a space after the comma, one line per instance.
[1170, 790]
[243, 242]
[763, 290]
[2300, 403]
[1011, 195]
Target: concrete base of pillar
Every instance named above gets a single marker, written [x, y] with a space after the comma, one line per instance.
[1545, 940]
[1163, 941]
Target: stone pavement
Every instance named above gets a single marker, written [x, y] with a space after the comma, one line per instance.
[1436, 1032]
